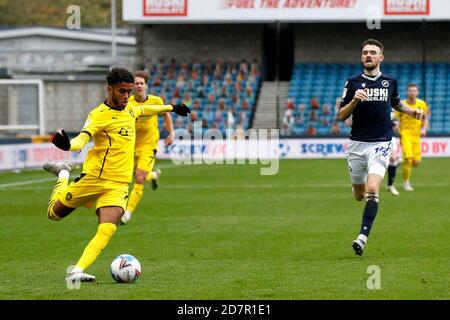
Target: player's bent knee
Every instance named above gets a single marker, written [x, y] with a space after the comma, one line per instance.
[140, 179]
[140, 176]
[52, 215]
[373, 186]
[136, 176]
[372, 189]
[111, 214]
[58, 211]
[415, 163]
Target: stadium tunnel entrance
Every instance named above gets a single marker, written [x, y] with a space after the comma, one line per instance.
[278, 51]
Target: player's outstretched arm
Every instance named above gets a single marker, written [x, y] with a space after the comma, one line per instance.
[62, 141]
[151, 109]
[347, 110]
[415, 113]
[179, 109]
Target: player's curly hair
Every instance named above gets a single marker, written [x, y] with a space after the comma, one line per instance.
[119, 75]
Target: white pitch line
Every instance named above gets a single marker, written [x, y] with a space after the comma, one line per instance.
[269, 186]
[214, 186]
[21, 183]
[253, 186]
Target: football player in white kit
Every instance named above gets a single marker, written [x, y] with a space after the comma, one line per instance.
[368, 97]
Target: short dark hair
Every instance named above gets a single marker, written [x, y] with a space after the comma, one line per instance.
[374, 43]
[142, 74]
[119, 75]
[412, 85]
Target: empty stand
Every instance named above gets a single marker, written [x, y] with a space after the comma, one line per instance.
[213, 91]
[325, 82]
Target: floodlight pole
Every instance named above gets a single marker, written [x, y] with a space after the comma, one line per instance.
[113, 30]
[277, 71]
[424, 59]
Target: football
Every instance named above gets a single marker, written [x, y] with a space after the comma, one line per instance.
[125, 268]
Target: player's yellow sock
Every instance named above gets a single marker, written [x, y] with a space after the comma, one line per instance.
[406, 169]
[151, 174]
[60, 187]
[96, 245]
[135, 197]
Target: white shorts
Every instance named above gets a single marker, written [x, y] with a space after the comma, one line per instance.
[367, 158]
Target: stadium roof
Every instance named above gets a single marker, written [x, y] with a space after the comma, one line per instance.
[39, 51]
[66, 34]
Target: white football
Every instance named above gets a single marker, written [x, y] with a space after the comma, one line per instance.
[125, 268]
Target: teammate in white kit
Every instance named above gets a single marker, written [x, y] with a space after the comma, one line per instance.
[368, 97]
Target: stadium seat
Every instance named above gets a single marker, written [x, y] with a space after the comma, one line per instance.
[179, 79]
[326, 81]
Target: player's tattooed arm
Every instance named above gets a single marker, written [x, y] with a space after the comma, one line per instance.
[401, 107]
[415, 113]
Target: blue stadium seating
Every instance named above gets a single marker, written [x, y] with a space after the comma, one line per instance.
[326, 81]
[163, 82]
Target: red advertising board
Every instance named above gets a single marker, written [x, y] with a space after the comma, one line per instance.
[407, 7]
[165, 8]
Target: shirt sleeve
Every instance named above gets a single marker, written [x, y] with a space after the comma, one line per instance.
[79, 141]
[395, 99]
[347, 94]
[150, 109]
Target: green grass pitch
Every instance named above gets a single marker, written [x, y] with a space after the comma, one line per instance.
[226, 232]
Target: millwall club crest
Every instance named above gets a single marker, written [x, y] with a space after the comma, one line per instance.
[123, 132]
[363, 85]
[385, 83]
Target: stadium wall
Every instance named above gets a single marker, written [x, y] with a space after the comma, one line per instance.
[200, 42]
[67, 104]
[4, 97]
[314, 42]
[340, 43]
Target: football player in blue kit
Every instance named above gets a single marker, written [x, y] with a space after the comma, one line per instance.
[368, 97]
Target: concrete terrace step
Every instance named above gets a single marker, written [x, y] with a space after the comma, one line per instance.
[266, 112]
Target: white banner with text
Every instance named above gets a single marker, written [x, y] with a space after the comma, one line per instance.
[24, 156]
[214, 11]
